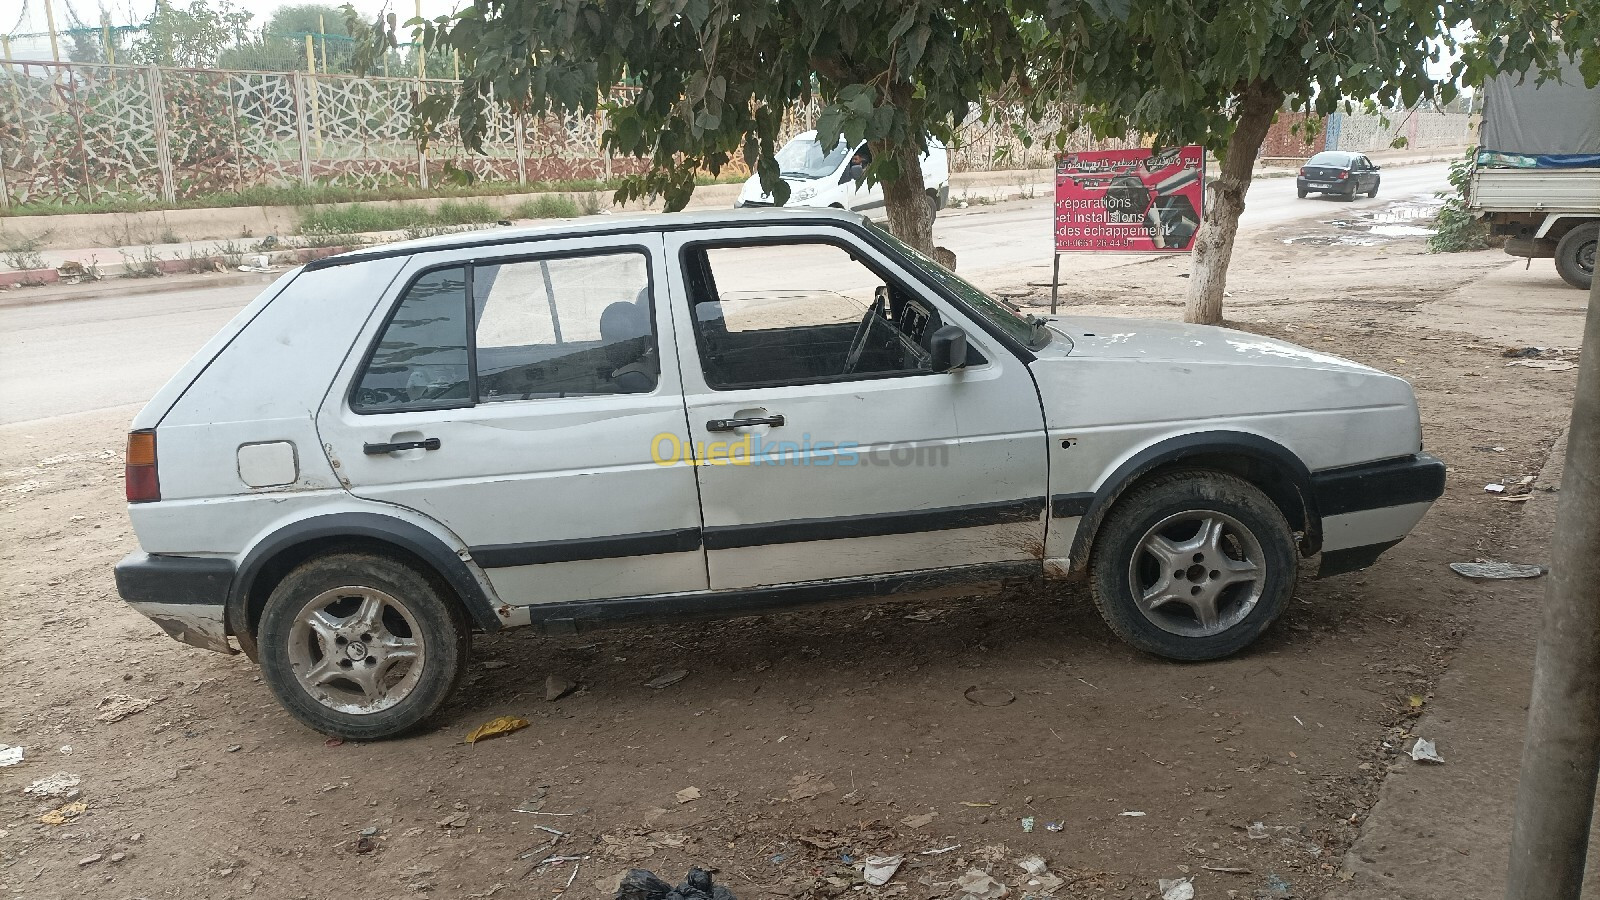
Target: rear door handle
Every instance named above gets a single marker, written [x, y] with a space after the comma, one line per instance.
[380, 449]
[731, 424]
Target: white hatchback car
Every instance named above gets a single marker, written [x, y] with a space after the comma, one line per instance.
[619, 420]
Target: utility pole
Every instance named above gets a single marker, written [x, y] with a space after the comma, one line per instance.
[1561, 758]
[422, 55]
[322, 34]
[50, 23]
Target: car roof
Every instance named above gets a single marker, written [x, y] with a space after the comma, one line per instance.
[590, 225]
[1347, 154]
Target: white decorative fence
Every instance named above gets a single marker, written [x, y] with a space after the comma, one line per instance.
[74, 133]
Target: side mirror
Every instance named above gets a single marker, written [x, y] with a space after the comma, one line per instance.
[948, 348]
[1376, 167]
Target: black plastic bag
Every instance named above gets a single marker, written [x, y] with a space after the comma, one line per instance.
[640, 884]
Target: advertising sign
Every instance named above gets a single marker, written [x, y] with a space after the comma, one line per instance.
[1129, 201]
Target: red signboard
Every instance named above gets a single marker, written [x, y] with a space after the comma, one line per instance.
[1129, 201]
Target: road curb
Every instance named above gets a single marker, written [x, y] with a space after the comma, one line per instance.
[126, 287]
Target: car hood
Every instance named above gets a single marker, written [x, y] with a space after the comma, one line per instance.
[1104, 337]
[752, 188]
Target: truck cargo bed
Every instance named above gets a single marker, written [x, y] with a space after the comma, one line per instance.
[1535, 190]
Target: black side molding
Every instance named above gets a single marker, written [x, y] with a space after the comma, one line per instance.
[1068, 506]
[793, 531]
[1391, 482]
[187, 580]
[496, 556]
[578, 615]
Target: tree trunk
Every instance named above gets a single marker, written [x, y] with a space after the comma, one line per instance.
[1561, 758]
[906, 198]
[1214, 247]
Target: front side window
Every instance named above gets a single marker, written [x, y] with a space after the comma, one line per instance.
[1024, 329]
[521, 330]
[802, 313]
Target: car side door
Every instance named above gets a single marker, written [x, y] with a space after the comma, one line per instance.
[513, 394]
[1363, 171]
[824, 444]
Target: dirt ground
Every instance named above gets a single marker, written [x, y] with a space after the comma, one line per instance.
[813, 739]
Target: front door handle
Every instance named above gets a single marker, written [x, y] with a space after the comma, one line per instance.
[380, 449]
[731, 424]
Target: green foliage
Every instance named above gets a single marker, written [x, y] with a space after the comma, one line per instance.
[1174, 74]
[1456, 228]
[546, 206]
[716, 77]
[360, 218]
[192, 36]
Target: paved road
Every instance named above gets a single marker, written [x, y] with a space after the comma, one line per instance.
[63, 358]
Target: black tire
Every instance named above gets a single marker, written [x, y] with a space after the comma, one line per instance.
[1118, 559]
[1301, 192]
[428, 616]
[1350, 195]
[1374, 192]
[1575, 255]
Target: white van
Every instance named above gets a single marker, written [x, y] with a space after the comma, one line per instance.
[827, 178]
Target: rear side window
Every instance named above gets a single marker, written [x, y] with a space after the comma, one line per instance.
[564, 327]
[518, 330]
[421, 362]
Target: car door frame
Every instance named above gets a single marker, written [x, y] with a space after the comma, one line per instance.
[554, 568]
[993, 523]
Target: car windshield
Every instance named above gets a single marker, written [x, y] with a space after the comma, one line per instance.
[1329, 159]
[803, 158]
[1028, 330]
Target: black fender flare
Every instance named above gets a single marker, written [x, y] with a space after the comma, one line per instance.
[389, 530]
[1209, 444]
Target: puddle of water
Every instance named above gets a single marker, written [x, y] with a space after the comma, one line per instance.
[1343, 240]
[1375, 227]
[1399, 230]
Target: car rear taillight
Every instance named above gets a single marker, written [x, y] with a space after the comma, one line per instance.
[1343, 175]
[139, 477]
[1302, 170]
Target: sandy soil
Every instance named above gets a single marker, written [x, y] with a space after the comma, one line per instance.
[814, 739]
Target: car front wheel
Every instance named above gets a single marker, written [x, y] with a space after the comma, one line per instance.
[1194, 565]
[361, 647]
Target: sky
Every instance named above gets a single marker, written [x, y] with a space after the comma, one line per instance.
[22, 17]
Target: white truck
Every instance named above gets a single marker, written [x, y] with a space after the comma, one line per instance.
[1536, 177]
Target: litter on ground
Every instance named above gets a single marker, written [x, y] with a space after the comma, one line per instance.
[879, 869]
[495, 727]
[1424, 751]
[1176, 889]
[1496, 571]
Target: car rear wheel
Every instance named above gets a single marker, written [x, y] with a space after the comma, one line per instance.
[1194, 565]
[1575, 255]
[1302, 192]
[361, 647]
